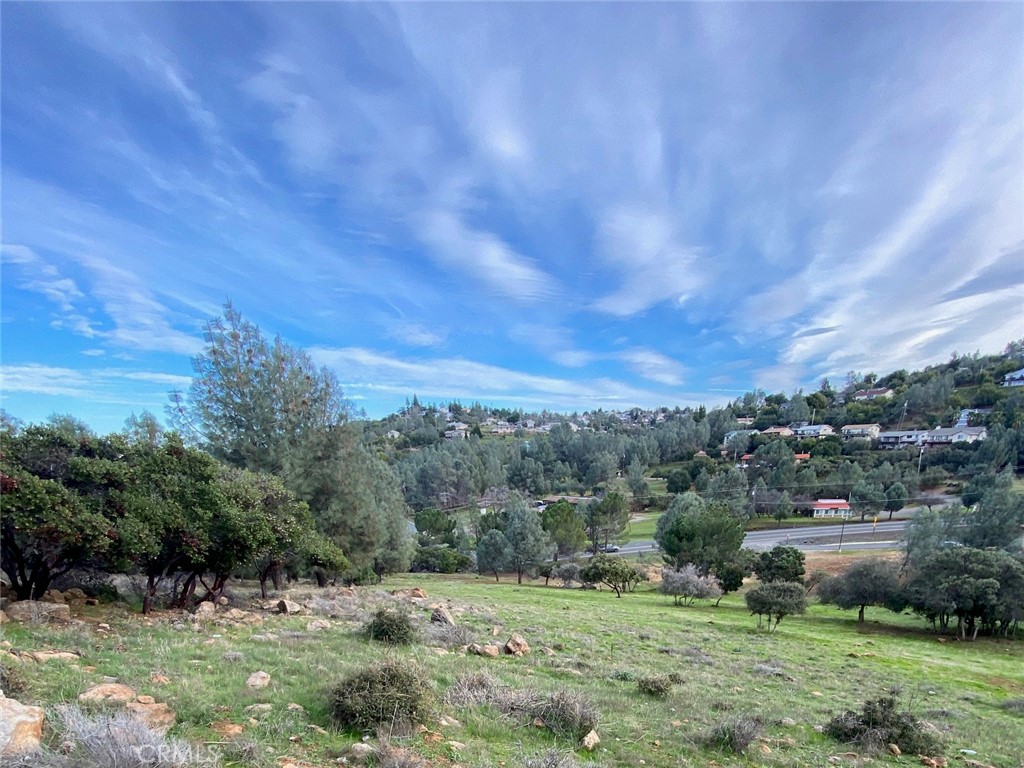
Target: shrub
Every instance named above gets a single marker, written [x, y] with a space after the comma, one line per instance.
[735, 735]
[655, 685]
[566, 713]
[624, 675]
[363, 577]
[390, 626]
[686, 585]
[449, 635]
[12, 682]
[387, 693]
[474, 689]
[388, 755]
[1014, 705]
[776, 601]
[880, 723]
[567, 573]
[109, 741]
[552, 758]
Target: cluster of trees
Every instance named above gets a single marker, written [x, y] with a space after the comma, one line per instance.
[152, 506]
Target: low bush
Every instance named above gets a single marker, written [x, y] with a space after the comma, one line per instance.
[1014, 705]
[735, 735]
[624, 675]
[880, 723]
[390, 626]
[390, 693]
[552, 758]
[449, 635]
[566, 713]
[12, 682]
[475, 689]
[109, 741]
[655, 685]
[389, 755]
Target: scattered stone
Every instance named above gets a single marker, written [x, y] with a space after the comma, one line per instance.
[4, 618]
[491, 651]
[547, 651]
[439, 651]
[894, 750]
[32, 610]
[222, 600]
[788, 722]
[91, 601]
[817, 694]
[259, 708]
[158, 717]
[267, 637]
[226, 729]
[289, 607]
[53, 596]
[293, 707]
[236, 614]
[316, 625]
[517, 646]
[159, 679]
[360, 751]
[765, 749]
[458, 746]
[442, 615]
[258, 680]
[317, 729]
[233, 656]
[108, 692]
[590, 741]
[75, 594]
[44, 656]
[205, 610]
[21, 727]
[539, 723]
[448, 722]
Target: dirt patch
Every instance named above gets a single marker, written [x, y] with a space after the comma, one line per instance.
[834, 563]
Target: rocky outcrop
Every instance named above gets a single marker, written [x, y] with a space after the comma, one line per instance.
[108, 692]
[32, 610]
[517, 646]
[21, 727]
[442, 615]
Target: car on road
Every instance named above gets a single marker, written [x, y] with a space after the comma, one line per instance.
[610, 548]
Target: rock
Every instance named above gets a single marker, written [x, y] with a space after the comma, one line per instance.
[360, 751]
[259, 708]
[517, 646]
[233, 656]
[159, 679]
[4, 617]
[258, 680]
[205, 610]
[31, 610]
[317, 625]
[416, 592]
[448, 722]
[590, 741]
[75, 594]
[91, 601]
[158, 717]
[236, 614]
[293, 707]
[53, 596]
[547, 651]
[226, 729]
[491, 651]
[108, 692]
[788, 722]
[44, 656]
[442, 615]
[458, 746]
[288, 607]
[222, 600]
[21, 727]
[894, 750]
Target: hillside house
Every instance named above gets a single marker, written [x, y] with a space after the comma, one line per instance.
[778, 432]
[739, 433]
[879, 393]
[798, 457]
[832, 508]
[814, 430]
[1014, 379]
[902, 438]
[854, 431]
[956, 435]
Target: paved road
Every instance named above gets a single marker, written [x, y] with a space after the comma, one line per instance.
[808, 539]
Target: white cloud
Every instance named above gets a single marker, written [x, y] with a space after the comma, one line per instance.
[101, 385]
[654, 366]
[414, 334]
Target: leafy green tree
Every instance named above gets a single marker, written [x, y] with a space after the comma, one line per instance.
[872, 581]
[635, 478]
[705, 539]
[492, 553]
[565, 527]
[780, 563]
[729, 488]
[783, 508]
[528, 543]
[613, 572]
[681, 504]
[731, 573]
[776, 600]
[678, 481]
[996, 520]
[867, 498]
[685, 585]
[605, 520]
[895, 498]
[435, 527]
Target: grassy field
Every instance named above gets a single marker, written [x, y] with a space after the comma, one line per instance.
[813, 667]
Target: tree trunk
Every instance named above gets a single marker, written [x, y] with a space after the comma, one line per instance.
[496, 579]
[147, 601]
[519, 576]
[275, 575]
[860, 615]
[321, 578]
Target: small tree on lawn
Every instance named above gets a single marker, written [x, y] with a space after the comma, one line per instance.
[780, 563]
[686, 585]
[613, 572]
[866, 582]
[895, 498]
[492, 553]
[528, 543]
[776, 600]
[565, 527]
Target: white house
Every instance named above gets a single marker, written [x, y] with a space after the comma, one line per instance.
[903, 438]
[1014, 379]
[832, 508]
[956, 435]
[869, 431]
[879, 393]
[814, 430]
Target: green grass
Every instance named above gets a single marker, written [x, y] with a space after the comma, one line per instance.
[829, 663]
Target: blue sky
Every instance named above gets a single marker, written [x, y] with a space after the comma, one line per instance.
[568, 206]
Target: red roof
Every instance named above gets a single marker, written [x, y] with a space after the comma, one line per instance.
[831, 504]
[802, 456]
